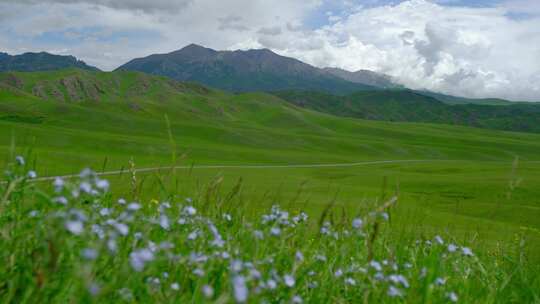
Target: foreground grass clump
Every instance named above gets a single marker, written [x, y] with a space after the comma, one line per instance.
[75, 243]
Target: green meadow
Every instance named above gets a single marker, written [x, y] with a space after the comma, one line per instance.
[478, 186]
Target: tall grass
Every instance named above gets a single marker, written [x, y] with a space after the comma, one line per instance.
[73, 242]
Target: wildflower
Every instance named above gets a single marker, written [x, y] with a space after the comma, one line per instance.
[385, 216]
[227, 217]
[338, 273]
[190, 210]
[193, 235]
[467, 251]
[122, 228]
[134, 207]
[32, 174]
[394, 292]
[297, 300]
[105, 212]
[439, 240]
[452, 248]
[121, 201]
[240, 289]
[164, 222]
[271, 284]
[208, 291]
[289, 280]
[321, 258]
[299, 256]
[89, 254]
[357, 223]
[86, 187]
[20, 160]
[111, 245]
[94, 289]
[125, 294]
[58, 184]
[236, 265]
[61, 200]
[198, 272]
[399, 279]
[139, 258]
[102, 184]
[452, 296]
[33, 213]
[275, 231]
[175, 286]
[350, 281]
[440, 281]
[75, 226]
[375, 265]
[98, 230]
[258, 234]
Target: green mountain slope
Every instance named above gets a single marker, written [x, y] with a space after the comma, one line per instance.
[31, 62]
[241, 71]
[116, 115]
[411, 106]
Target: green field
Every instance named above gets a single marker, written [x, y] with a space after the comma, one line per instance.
[473, 185]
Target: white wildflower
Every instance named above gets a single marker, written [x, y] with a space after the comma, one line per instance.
[439, 240]
[452, 248]
[297, 300]
[32, 174]
[175, 286]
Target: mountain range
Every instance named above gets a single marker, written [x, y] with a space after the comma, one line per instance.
[239, 71]
[242, 71]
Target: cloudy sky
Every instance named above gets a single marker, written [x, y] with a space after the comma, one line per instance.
[474, 48]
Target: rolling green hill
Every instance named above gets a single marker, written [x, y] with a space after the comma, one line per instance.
[411, 106]
[32, 62]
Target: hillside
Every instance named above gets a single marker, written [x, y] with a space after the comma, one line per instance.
[111, 115]
[33, 62]
[241, 71]
[411, 106]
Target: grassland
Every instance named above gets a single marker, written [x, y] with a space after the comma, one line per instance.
[468, 188]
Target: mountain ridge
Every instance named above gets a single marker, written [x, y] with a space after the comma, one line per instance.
[40, 61]
[241, 71]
